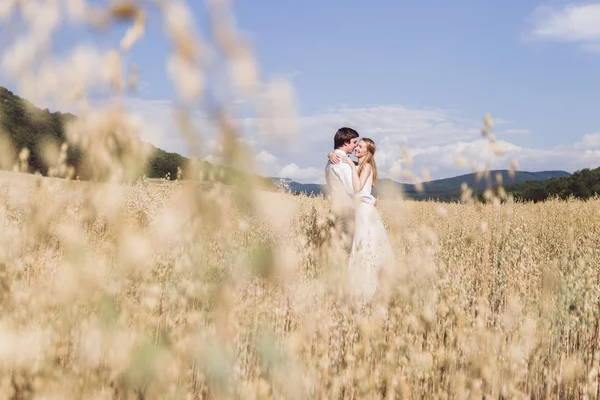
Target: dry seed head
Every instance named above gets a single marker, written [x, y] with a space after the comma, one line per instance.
[187, 78]
[441, 211]
[426, 175]
[6, 9]
[502, 193]
[91, 353]
[406, 174]
[279, 110]
[24, 154]
[135, 32]
[7, 152]
[76, 10]
[287, 261]
[478, 175]
[497, 148]
[499, 178]
[124, 10]
[97, 17]
[461, 161]
[244, 73]
[488, 123]
[112, 70]
[513, 168]
[133, 77]
[484, 226]
[21, 54]
[179, 28]
[574, 369]
[42, 17]
[467, 193]
[242, 66]
[418, 185]
[243, 225]
[21, 350]
[50, 152]
[488, 194]
[406, 157]
[136, 252]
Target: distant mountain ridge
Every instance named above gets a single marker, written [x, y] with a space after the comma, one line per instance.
[441, 189]
[450, 188]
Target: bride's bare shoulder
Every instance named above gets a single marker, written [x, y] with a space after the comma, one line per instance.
[366, 170]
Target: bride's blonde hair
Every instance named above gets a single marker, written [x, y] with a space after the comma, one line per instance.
[369, 159]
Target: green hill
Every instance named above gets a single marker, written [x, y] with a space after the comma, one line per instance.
[27, 126]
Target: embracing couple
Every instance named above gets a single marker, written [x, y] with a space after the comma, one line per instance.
[358, 224]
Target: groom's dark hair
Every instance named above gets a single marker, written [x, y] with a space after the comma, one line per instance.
[343, 136]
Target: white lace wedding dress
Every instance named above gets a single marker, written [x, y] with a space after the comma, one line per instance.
[371, 248]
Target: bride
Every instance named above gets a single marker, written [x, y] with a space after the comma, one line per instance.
[371, 249]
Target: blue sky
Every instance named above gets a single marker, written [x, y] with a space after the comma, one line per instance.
[420, 74]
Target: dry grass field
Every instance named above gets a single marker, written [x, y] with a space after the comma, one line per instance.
[177, 290]
[160, 291]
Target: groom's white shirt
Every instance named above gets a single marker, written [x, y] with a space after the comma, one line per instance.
[339, 183]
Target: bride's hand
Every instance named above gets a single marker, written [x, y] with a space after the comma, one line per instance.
[334, 158]
[348, 161]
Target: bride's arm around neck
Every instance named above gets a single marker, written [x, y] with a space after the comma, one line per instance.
[358, 181]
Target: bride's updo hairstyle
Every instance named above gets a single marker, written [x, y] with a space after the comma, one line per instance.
[369, 158]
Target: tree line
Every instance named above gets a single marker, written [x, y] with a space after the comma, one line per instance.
[582, 184]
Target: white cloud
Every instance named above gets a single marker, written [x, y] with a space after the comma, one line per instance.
[268, 164]
[516, 132]
[577, 23]
[588, 142]
[266, 158]
[395, 170]
[309, 174]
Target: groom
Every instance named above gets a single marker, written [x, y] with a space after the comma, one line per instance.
[339, 186]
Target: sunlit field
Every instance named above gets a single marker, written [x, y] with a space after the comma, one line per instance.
[119, 291]
[120, 287]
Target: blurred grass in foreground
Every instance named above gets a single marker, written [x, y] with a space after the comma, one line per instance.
[185, 289]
